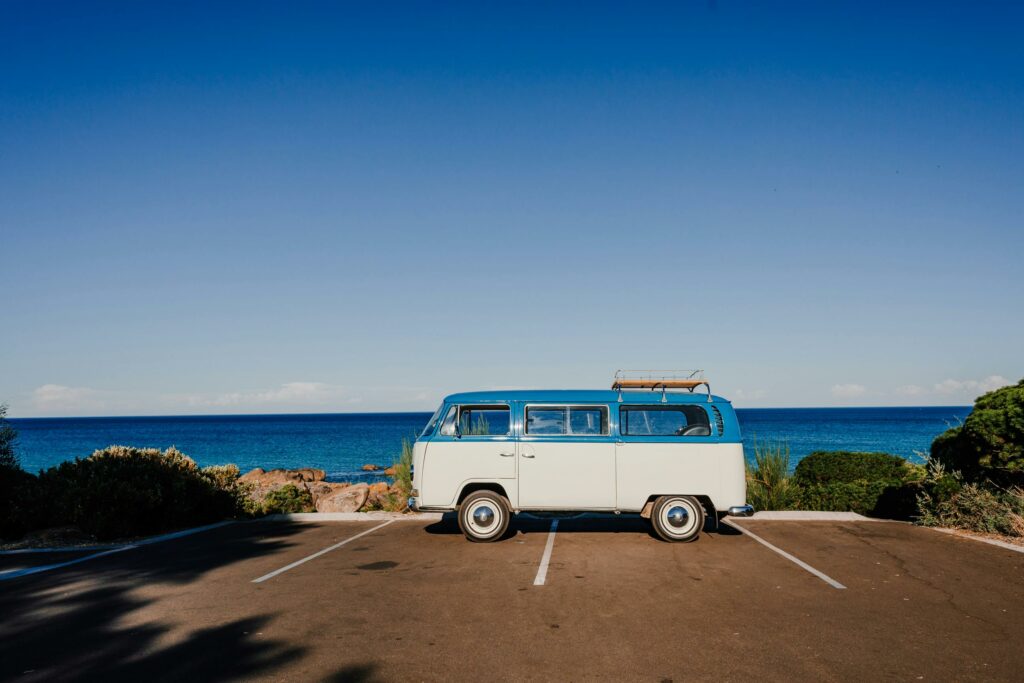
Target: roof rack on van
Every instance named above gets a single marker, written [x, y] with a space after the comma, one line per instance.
[659, 379]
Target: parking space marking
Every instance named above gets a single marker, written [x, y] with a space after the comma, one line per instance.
[317, 554]
[795, 560]
[542, 570]
[15, 573]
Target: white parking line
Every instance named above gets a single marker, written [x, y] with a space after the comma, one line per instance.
[15, 573]
[542, 570]
[317, 554]
[798, 562]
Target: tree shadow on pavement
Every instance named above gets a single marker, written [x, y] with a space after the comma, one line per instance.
[83, 622]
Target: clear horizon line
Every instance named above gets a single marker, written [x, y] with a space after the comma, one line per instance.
[426, 411]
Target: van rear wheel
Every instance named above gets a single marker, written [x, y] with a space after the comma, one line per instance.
[484, 516]
[677, 519]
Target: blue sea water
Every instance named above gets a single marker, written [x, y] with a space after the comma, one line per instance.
[341, 444]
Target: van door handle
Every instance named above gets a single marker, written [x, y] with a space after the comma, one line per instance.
[507, 455]
[527, 455]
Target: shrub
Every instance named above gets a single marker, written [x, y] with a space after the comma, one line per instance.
[17, 496]
[990, 442]
[853, 496]
[830, 467]
[8, 439]
[123, 491]
[876, 484]
[769, 486]
[288, 498]
[16, 485]
[222, 476]
[403, 469]
[976, 507]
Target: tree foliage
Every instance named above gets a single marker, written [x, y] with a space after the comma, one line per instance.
[990, 442]
[8, 440]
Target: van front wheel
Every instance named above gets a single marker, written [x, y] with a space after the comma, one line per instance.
[484, 516]
[677, 518]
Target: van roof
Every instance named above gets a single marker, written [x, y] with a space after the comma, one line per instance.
[580, 396]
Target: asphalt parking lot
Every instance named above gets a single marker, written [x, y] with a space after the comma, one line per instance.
[593, 599]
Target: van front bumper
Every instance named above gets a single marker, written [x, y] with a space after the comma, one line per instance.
[741, 511]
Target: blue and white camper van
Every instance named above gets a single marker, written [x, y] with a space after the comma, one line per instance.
[650, 445]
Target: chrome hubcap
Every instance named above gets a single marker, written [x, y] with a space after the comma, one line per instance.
[678, 516]
[483, 516]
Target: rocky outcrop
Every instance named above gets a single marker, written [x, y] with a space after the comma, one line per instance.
[347, 499]
[327, 496]
[377, 495]
[263, 482]
[324, 489]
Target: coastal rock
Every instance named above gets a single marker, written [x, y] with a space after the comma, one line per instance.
[322, 489]
[371, 468]
[310, 474]
[263, 482]
[390, 471]
[377, 495]
[347, 499]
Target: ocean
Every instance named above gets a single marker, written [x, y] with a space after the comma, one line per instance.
[342, 443]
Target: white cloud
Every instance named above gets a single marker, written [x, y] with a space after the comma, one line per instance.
[288, 394]
[57, 397]
[911, 390]
[748, 394]
[975, 387]
[848, 390]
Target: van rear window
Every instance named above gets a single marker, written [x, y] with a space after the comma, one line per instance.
[664, 421]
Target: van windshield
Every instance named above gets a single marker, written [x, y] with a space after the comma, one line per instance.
[429, 429]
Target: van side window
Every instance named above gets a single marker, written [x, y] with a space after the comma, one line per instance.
[588, 420]
[490, 420]
[545, 420]
[448, 426]
[564, 420]
[664, 421]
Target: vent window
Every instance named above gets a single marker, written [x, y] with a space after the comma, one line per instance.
[719, 422]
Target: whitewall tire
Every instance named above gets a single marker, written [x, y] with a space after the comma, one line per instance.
[484, 516]
[677, 519]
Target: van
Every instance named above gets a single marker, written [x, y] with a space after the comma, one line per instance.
[650, 445]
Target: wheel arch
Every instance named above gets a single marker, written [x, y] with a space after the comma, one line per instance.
[474, 486]
[704, 500]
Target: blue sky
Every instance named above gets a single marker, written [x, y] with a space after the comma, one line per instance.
[277, 207]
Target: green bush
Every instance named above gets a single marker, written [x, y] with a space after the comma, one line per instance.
[123, 491]
[16, 485]
[853, 496]
[8, 439]
[17, 502]
[769, 486]
[403, 470]
[288, 498]
[876, 484]
[222, 476]
[990, 442]
[832, 467]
